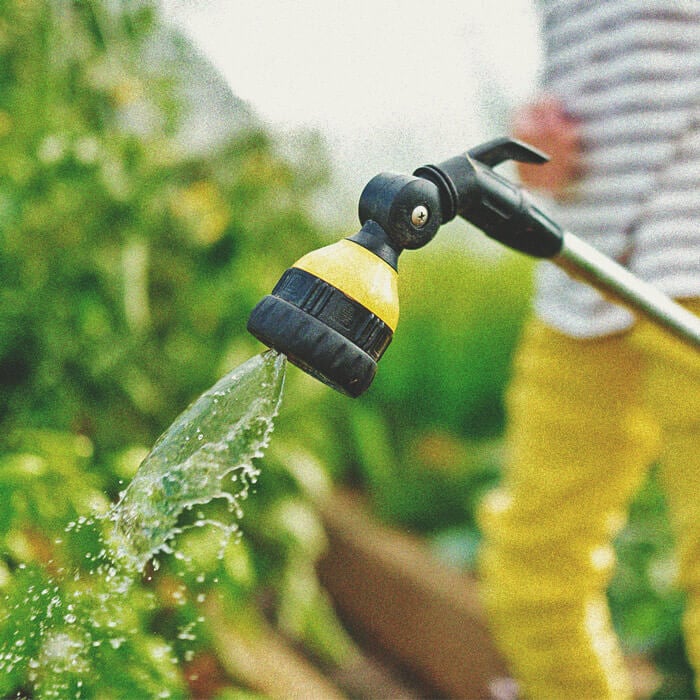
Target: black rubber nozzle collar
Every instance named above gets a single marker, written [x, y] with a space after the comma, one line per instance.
[320, 329]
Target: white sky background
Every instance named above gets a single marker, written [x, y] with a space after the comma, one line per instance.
[390, 84]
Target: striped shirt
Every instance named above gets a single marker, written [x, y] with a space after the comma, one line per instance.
[629, 72]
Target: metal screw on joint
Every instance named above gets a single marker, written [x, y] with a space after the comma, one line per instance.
[419, 216]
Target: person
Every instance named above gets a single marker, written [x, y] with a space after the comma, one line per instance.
[596, 395]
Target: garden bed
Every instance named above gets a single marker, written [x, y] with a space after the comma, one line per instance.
[416, 613]
[399, 600]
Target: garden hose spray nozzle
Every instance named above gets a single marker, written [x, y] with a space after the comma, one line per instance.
[334, 312]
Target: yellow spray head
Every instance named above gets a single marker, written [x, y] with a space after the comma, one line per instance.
[334, 312]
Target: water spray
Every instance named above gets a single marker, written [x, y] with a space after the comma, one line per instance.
[334, 312]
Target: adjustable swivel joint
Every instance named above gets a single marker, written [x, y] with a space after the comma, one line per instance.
[334, 312]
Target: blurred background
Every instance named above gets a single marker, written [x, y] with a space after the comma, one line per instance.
[389, 84]
[160, 165]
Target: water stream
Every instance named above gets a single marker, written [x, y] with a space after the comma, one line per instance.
[77, 618]
[206, 453]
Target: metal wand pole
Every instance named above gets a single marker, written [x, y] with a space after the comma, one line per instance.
[586, 263]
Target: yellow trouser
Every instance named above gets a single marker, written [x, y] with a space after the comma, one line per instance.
[586, 419]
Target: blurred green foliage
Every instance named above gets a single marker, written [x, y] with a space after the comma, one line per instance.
[129, 264]
[645, 602]
[424, 438]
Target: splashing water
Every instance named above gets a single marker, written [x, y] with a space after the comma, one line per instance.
[207, 453]
[208, 448]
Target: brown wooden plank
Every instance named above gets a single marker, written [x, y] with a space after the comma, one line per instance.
[262, 660]
[388, 585]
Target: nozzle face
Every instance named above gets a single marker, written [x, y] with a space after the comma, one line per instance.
[322, 330]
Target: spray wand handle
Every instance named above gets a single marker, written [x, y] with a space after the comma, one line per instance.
[470, 188]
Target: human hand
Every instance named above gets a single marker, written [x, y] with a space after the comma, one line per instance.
[546, 125]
